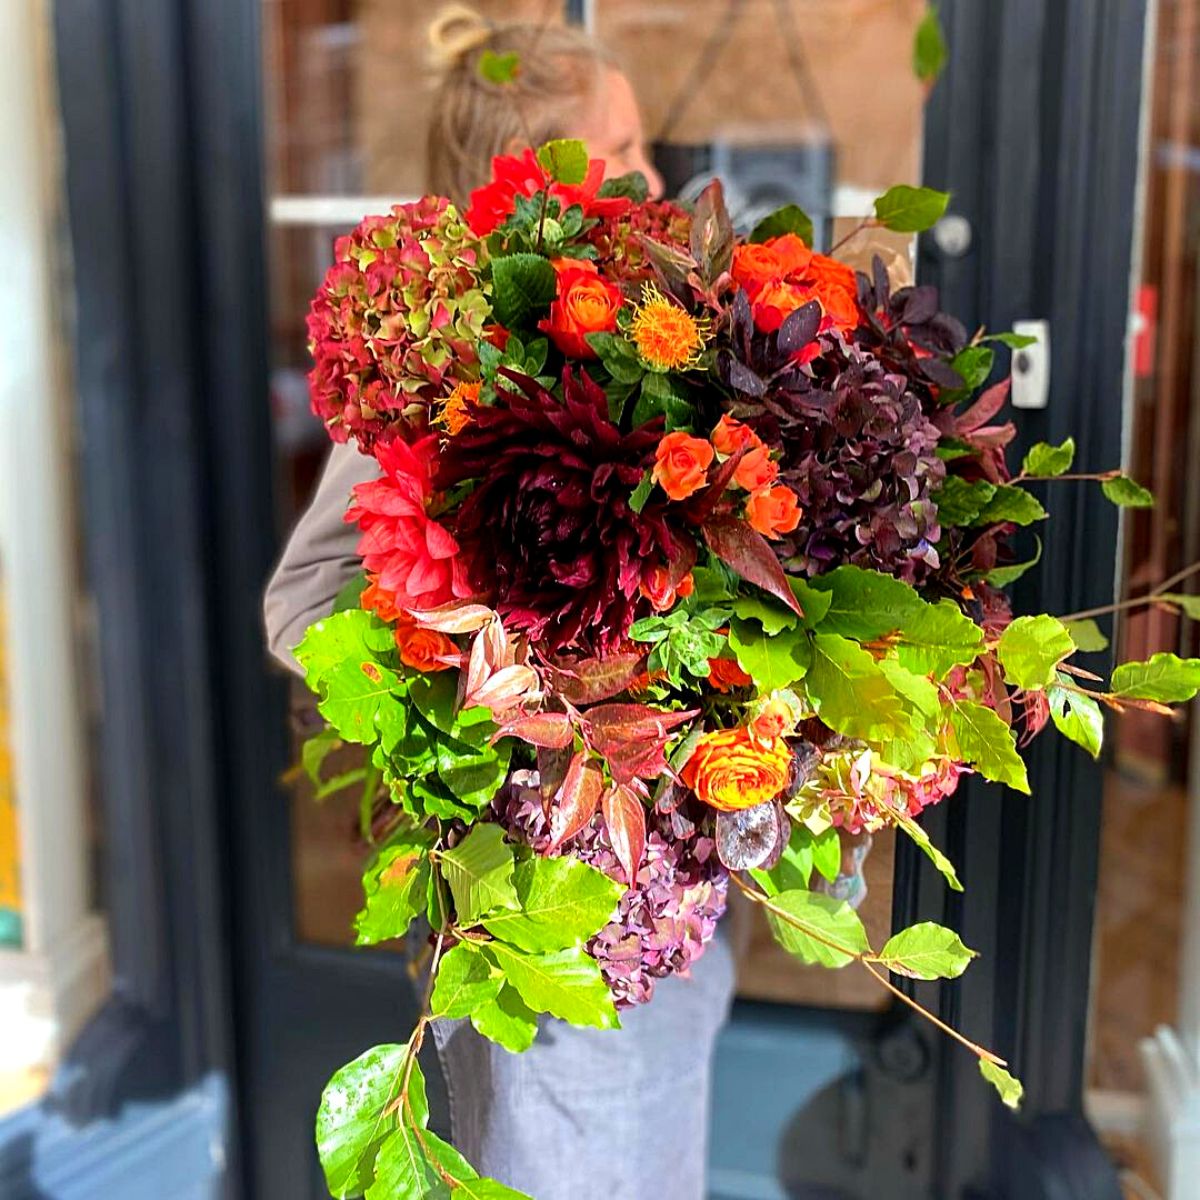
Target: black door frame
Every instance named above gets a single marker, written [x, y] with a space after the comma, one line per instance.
[1034, 127]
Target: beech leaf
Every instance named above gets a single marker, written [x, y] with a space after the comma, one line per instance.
[987, 742]
[904, 209]
[1011, 1090]
[1078, 718]
[926, 951]
[507, 1020]
[465, 980]
[564, 983]
[1030, 649]
[1166, 678]
[831, 934]
[479, 871]
[394, 888]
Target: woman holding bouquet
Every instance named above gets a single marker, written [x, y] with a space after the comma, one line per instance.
[583, 1113]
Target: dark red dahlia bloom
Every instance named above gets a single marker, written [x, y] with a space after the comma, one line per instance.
[548, 532]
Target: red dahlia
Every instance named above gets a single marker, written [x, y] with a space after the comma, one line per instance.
[548, 531]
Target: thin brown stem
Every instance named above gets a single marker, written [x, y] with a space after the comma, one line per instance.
[1136, 601]
[865, 223]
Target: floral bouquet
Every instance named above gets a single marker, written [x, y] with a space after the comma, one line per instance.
[684, 560]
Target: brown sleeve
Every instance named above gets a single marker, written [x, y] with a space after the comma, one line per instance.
[319, 557]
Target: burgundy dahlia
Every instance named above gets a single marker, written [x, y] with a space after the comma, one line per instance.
[547, 531]
[664, 922]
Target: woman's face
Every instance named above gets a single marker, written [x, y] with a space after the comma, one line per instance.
[612, 129]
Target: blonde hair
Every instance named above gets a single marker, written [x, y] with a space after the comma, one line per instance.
[560, 71]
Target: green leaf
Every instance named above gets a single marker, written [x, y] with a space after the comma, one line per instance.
[974, 364]
[1165, 678]
[929, 47]
[937, 638]
[351, 1126]
[1189, 604]
[852, 695]
[630, 186]
[499, 68]
[1010, 1088]
[827, 854]
[473, 775]
[479, 871]
[360, 700]
[1078, 718]
[987, 742]
[314, 752]
[794, 868]
[1031, 648]
[353, 634]
[565, 160]
[641, 493]
[904, 209]
[563, 902]
[1014, 341]
[465, 981]
[1003, 576]
[865, 604]
[816, 604]
[1127, 493]
[523, 286]
[1087, 636]
[959, 502]
[772, 662]
[403, 1170]
[565, 983]
[620, 357]
[789, 218]
[926, 951]
[1047, 460]
[487, 1189]
[832, 934]
[507, 1020]
[1011, 503]
[350, 595]
[395, 887]
[935, 856]
[771, 616]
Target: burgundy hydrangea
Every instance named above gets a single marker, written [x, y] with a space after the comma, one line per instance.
[548, 527]
[662, 923]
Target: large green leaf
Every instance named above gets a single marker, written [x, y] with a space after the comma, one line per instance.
[565, 983]
[852, 694]
[1077, 717]
[987, 742]
[790, 218]
[479, 871]
[351, 1125]
[772, 662]
[865, 604]
[1010, 1088]
[395, 887]
[360, 700]
[771, 615]
[563, 902]
[1031, 648]
[794, 869]
[926, 951]
[523, 285]
[1164, 677]
[904, 209]
[465, 981]
[353, 634]
[507, 1020]
[937, 638]
[959, 502]
[818, 929]
[473, 775]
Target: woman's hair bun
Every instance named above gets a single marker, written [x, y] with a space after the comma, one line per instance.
[454, 33]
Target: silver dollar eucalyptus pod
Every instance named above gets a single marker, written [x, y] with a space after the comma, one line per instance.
[752, 837]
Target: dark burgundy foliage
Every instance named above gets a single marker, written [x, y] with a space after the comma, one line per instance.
[550, 533]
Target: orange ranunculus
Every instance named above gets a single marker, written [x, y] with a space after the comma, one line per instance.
[681, 464]
[586, 303]
[730, 436]
[380, 601]
[729, 770]
[424, 649]
[756, 470]
[771, 722]
[777, 301]
[833, 284]
[724, 674]
[794, 256]
[773, 511]
[756, 264]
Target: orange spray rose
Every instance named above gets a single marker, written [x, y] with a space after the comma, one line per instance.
[586, 303]
[773, 511]
[681, 464]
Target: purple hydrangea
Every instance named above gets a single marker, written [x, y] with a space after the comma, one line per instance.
[664, 922]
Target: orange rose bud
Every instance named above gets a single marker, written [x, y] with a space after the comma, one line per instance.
[756, 470]
[586, 303]
[724, 674]
[681, 464]
[686, 586]
[773, 511]
[728, 770]
[730, 436]
[773, 720]
[380, 601]
[424, 649]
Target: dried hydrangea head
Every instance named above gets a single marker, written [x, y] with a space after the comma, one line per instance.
[397, 321]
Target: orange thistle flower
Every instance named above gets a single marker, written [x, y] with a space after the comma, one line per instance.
[667, 337]
[456, 412]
